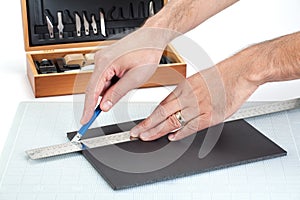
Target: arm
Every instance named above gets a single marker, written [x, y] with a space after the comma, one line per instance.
[210, 96]
[184, 15]
[135, 58]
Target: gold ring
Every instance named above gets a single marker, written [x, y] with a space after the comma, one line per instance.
[180, 118]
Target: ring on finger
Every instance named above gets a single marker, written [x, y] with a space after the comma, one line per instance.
[180, 118]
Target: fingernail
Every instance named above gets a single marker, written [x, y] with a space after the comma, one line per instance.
[144, 136]
[171, 137]
[107, 105]
[134, 133]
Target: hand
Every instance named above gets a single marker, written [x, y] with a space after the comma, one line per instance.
[133, 60]
[132, 55]
[210, 96]
[204, 99]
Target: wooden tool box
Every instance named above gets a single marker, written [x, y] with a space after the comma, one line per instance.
[120, 17]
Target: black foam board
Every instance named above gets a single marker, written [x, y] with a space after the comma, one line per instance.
[239, 143]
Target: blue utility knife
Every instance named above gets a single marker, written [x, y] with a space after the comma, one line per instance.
[85, 127]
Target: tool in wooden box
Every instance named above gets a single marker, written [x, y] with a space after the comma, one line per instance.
[50, 27]
[60, 25]
[102, 23]
[75, 62]
[78, 24]
[94, 25]
[86, 24]
[82, 20]
[45, 66]
[78, 144]
[51, 23]
[151, 9]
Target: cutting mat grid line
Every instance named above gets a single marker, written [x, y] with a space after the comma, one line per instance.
[14, 130]
[54, 179]
[294, 140]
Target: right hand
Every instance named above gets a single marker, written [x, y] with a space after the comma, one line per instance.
[133, 60]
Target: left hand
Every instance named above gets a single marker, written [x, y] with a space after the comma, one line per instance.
[204, 99]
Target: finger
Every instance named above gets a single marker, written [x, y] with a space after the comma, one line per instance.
[160, 114]
[95, 87]
[172, 96]
[106, 86]
[199, 123]
[170, 124]
[130, 80]
[91, 99]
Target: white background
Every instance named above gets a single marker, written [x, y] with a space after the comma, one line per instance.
[245, 23]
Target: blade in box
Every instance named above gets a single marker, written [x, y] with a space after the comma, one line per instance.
[86, 25]
[102, 23]
[78, 24]
[60, 25]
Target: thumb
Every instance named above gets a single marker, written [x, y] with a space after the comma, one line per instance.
[132, 79]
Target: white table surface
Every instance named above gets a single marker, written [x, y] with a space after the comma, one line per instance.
[245, 23]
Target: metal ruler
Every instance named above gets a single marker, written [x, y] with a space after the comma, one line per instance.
[70, 147]
[262, 108]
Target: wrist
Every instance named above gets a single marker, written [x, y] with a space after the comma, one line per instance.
[255, 64]
[273, 60]
[159, 29]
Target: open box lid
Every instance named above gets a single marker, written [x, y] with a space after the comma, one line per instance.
[120, 17]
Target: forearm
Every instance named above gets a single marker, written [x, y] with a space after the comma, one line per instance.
[269, 61]
[174, 19]
[274, 60]
[183, 15]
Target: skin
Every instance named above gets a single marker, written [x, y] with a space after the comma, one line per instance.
[204, 102]
[140, 52]
[204, 99]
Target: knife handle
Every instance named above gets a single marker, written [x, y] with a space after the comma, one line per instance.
[85, 127]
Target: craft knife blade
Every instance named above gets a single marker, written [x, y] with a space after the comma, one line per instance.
[78, 24]
[73, 146]
[85, 127]
[94, 25]
[86, 25]
[151, 9]
[102, 24]
[60, 25]
[50, 27]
